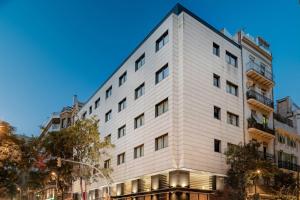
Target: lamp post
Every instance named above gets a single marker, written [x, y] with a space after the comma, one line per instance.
[20, 190]
[55, 176]
[257, 173]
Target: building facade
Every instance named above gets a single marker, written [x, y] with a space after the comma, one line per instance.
[186, 93]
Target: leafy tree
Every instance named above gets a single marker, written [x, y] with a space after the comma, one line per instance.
[80, 142]
[246, 166]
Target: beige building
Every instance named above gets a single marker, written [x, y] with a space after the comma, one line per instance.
[176, 103]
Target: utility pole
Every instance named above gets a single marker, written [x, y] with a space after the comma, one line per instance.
[297, 182]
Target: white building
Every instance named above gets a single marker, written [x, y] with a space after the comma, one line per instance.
[175, 104]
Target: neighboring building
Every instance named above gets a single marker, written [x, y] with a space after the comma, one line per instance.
[258, 87]
[176, 103]
[56, 122]
[286, 123]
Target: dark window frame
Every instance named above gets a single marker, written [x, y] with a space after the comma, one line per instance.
[136, 91]
[165, 142]
[217, 115]
[162, 70]
[97, 103]
[165, 109]
[216, 49]
[140, 59]
[121, 82]
[217, 146]
[136, 118]
[216, 80]
[120, 107]
[162, 39]
[108, 92]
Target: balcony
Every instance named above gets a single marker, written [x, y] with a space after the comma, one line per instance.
[261, 131]
[288, 165]
[259, 101]
[260, 74]
[266, 156]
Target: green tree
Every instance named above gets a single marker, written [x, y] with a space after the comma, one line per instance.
[80, 142]
[246, 166]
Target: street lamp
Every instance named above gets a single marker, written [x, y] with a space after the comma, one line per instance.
[55, 176]
[20, 190]
[257, 173]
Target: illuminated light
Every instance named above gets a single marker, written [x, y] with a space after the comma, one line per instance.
[258, 171]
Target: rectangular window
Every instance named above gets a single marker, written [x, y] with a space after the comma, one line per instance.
[139, 121]
[108, 92]
[121, 158]
[107, 164]
[231, 88]
[216, 49]
[217, 145]
[162, 41]
[97, 103]
[216, 80]
[140, 62]
[90, 110]
[162, 74]
[122, 78]
[140, 91]
[231, 59]
[108, 138]
[161, 107]
[217, 112]
[83, 115]
[122, 105]
[232, 119]
[139, 151]
[161, 142]
[122, 131]
[108, 116]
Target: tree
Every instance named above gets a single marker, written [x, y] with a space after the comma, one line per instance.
[246, 167]
[80, 142]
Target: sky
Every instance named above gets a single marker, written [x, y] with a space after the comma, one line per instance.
[53, 49]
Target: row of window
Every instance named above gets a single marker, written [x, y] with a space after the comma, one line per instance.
[229, 57]
[232, 119]
[231, 88]
[286, 140]
[139, 121]
[138, 92]
[160, 143]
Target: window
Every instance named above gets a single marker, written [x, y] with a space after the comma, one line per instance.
[217, 145]
[107, 164]
[162, 74]
[108, 138]
[216, 49]
[232, 119]
[97, 103]
[216, 80]
[231, 59]
[161, 142]
[108, 92]
[121, 158]
[231, 88]
[90, 110]
[281, 139]
[140, 91]
[140, 62]
[138, 151]
[161, 107]
[139, 121]
[83, 115]
[122, 105]
[122, 78]
[217, 112]
[122, 131]
[108, 116]
[162, 41]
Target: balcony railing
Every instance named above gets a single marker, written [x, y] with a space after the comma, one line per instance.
[266, 156]
[264, 71]
[252, 94]
[282, 119]
[263, 127]
[288, 165]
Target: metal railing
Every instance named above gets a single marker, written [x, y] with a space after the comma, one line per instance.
[252, 94]
[288, 165]
[264, 71]
[266, 156]
[262, 127]
[284, 120]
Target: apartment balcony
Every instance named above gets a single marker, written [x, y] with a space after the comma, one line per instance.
[259, 101]
[288, 165]
[260, 74]
[266, 156]
[260, 131]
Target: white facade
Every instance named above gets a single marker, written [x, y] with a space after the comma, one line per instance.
[191, 125]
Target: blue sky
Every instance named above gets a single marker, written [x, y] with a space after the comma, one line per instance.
[52, 49]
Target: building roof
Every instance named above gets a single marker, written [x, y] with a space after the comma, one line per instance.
[177, 10]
